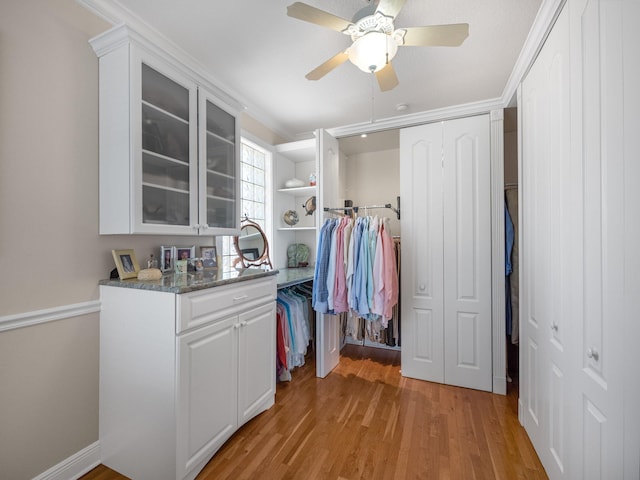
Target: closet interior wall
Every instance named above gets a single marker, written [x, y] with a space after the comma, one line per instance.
[372, 178]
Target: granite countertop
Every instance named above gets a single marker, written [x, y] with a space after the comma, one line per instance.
[192, 281]
[293, 276]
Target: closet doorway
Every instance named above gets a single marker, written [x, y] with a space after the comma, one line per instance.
[369, 176]
[382, 152]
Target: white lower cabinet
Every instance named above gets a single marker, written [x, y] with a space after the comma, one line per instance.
[170, 394]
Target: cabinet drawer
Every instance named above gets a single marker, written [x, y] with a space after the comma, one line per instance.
[205, 306]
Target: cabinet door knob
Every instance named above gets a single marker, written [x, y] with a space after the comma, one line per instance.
[593, 353]
[422, 287]
[554, 327]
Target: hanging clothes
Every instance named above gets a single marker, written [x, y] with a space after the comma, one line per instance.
[294, 329]
[509, 238]
[356, 271]
[512, 205]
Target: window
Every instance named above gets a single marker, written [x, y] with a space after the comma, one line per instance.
[255, 193]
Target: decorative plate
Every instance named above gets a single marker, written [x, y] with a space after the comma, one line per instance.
[291, 217]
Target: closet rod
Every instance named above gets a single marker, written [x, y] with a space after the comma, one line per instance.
[355, 209]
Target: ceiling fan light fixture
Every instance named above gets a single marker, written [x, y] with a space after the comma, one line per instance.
[373, 51]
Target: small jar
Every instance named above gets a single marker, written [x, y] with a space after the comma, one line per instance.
[312, 180]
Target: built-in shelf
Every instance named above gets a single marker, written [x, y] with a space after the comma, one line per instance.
[296, 228]
[295, 191]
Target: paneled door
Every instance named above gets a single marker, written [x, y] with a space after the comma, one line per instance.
[327, 326]
[446, 267]
[548, 229]
[604, 49]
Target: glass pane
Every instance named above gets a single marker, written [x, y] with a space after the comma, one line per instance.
[247, 173]
[220, 156]
[259, 177]
[259, 211]
[164, 135]
[220, 213]
[248, 208]
[164, 206]
[247, 191]
[259, 194]
[247, 156]
[220, 186]
[165, 173]
[220, 122]
[258, 159]
[164, 93]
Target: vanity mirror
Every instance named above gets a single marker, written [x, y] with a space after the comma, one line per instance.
[252, 245]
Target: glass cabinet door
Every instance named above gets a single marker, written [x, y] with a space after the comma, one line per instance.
[166, 131]
[218, 159]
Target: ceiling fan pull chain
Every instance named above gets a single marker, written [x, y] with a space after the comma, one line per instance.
[373, 97]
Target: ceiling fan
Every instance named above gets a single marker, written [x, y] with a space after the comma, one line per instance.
[375, 39]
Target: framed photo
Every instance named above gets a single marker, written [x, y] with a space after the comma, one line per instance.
[185, 253]
[250, 253]
[209, 257]
[126, 263]
[167, 257]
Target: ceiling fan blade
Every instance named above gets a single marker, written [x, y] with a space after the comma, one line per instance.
[326, 67]
[451, 35]
[390, 8]
[387, 78]
[305, 12]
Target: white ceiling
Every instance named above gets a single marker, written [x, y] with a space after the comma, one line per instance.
[260, 56]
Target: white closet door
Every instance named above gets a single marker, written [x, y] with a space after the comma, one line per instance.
[422, 259]
[548, 248]
[446, 262]
[327, 326]
[467, 247]
[604, 51]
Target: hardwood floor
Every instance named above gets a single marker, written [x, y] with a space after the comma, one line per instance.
[366, 421]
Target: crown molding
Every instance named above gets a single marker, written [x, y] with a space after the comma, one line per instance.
[542, 24]
[429, 116]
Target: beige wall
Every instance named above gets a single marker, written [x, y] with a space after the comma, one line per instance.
[50, 252]
[374, 179]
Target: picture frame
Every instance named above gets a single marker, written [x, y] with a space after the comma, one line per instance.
[209, 257]
[167, 257]
[184, 253]
[250, 254]
[126, 263]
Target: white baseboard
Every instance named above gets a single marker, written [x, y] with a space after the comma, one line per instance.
[75, 466]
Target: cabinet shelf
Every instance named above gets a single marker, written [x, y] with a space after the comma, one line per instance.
[298, 191]
[224, 199]
[164, 112]
[164, 187]
[218, 137]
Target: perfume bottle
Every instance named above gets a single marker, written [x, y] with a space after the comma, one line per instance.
[152, 262]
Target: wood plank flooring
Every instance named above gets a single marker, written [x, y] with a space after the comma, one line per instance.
[366, 421]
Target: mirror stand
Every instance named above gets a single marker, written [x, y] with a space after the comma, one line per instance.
[251, 245]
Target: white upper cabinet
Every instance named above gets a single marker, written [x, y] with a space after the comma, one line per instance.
[168, 147]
